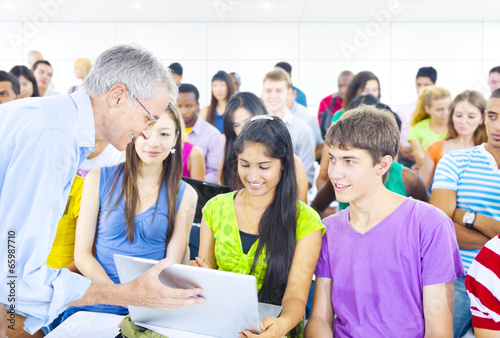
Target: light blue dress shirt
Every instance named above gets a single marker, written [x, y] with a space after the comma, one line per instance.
[42, 143]
[302, 141]
[312, 121]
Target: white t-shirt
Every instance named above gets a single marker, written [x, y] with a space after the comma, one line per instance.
[51, 90]
[110, 156]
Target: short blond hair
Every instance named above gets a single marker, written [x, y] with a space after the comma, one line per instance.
[278, 74]
[83, 63]
[426, 99]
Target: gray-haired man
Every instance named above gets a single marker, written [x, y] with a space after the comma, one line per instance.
[42, 143]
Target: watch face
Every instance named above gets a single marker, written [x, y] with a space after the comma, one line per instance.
[469, 218]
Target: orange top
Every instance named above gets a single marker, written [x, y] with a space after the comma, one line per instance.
[435, 151]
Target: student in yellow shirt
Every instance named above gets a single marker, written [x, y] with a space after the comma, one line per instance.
[61, 254]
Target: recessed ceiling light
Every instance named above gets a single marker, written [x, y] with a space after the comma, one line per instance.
[7, 5]
[135, 5]
[266, 5]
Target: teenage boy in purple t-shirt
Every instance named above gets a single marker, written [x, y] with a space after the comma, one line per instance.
[387, 262]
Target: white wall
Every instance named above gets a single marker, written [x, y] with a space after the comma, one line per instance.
[462, 52]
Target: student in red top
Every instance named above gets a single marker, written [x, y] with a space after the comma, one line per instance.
[334, 102]
[483, 286]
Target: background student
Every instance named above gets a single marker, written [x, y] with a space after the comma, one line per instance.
[466, 188]
[465, 130]
[222, 90]
[428, 122]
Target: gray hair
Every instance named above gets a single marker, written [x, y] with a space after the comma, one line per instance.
[135, 67]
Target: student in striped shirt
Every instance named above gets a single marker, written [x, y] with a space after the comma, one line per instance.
[467, 188]
[483, 287]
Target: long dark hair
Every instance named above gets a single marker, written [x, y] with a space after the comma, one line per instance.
[28, 74]
[278, 223]
[224, 77]
[171, 176]
[254, 106]
[357, 85]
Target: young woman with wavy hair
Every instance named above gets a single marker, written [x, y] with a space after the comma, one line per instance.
[429, 121]
[466, 129]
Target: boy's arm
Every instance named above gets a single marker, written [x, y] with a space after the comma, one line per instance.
[438, 309]
[324, 196]
[320, 323]
[484, 333]
[484, 224]
[446, 200]
[414, 185]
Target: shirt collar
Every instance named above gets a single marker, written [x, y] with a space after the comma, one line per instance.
[196, 127]
[86, 127]
[288, 117]
[491, 160]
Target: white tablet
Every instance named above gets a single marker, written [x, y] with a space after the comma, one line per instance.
[231, 302]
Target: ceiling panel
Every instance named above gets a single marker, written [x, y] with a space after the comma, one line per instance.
[291, 10]
[243, 10]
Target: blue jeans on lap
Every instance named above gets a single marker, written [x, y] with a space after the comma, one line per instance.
[462, 317]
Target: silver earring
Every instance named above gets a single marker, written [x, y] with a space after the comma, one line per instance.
[172, 151]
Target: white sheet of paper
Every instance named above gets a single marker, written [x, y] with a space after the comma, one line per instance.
[86, 324]
[171, 333]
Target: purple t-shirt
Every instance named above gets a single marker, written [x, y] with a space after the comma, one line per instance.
[378, 276]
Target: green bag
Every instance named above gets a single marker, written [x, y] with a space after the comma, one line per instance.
[129, 330]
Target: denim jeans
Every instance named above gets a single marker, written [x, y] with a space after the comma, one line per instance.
[462, 317]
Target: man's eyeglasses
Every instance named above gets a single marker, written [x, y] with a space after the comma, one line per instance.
[152, 121]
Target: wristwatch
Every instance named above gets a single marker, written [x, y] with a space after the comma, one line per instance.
[469, 219]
